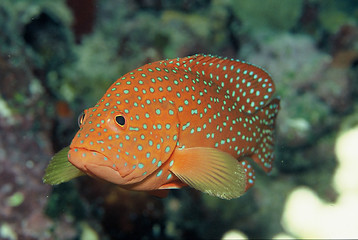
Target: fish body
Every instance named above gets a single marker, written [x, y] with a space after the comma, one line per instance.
[186, 121]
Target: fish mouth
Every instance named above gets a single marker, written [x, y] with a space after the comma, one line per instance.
[95, 164]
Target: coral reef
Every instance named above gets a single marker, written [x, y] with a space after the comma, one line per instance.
[307, 216]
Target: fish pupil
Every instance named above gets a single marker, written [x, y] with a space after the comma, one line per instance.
[120, 120]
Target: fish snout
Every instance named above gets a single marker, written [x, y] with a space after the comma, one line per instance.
[95, 164]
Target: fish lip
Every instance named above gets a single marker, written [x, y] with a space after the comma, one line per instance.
[86, 150]
[93, 166]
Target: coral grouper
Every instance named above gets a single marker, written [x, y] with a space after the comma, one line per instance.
[186, 121]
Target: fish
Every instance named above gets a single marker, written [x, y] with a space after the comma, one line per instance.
[197, 121]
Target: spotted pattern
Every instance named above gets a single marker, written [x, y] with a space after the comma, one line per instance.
[197, 101]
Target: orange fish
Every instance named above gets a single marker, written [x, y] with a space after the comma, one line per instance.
[172, 123]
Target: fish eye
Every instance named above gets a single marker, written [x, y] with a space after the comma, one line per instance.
[80, 119]
[120, 120]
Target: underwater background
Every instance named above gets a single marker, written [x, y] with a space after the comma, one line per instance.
[59, 57]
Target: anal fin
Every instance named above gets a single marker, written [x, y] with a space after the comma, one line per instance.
[250, 174]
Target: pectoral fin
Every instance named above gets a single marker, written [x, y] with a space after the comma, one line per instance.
[211, 171]
[60, 169]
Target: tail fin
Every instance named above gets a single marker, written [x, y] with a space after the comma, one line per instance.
[264, 154]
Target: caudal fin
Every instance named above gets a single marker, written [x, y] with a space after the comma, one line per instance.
[264, 154]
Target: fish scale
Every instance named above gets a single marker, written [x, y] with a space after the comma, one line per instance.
[186, 121]
[230, 78]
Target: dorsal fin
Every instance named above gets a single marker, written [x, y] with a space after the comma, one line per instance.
[251, 86]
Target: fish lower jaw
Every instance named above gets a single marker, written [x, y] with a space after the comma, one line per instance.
[95, 164]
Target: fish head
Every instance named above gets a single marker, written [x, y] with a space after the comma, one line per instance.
[125, 143]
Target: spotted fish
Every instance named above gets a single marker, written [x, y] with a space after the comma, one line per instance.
[186, 121]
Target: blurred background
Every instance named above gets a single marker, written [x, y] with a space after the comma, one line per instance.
[59, 57]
